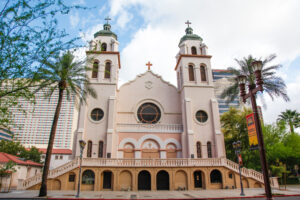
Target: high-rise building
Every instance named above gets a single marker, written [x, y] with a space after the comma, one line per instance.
[222, 81]
[6, 134]
[33, 127]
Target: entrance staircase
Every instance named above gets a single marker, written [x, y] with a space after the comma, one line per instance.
[182, 162]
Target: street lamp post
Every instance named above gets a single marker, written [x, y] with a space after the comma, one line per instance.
[252, 90]
[237, 149]
[82, 144]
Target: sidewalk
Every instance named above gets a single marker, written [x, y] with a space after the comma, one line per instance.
[224, 193]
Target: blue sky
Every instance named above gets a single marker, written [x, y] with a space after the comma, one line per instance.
[150, 30]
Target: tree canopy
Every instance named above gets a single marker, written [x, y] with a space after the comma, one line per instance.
[282, 147]
[273, 85]
[29, 34]
[17, 149]
[290, 117]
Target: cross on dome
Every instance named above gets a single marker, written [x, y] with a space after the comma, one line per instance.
[107, 19]
[188, 23]
[149, 65]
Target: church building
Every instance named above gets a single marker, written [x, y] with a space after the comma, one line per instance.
[149, 134]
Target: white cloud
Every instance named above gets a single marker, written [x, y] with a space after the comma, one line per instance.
[74, 20]
[89, 33]
[79, 2]
[231, 29]
[274, 108]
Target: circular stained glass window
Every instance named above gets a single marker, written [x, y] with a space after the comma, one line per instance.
[97, 114]
[149, 113]
[201, 116]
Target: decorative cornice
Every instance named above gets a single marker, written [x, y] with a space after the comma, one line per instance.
[187, 55]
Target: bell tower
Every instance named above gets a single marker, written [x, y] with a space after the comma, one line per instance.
[97, 117]
[202, 137]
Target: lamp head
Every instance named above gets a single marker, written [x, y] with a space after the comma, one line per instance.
[257, 65]
[234, 145]
[82, 144]
[242, 79]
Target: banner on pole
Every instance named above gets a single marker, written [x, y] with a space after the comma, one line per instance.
[253, 142]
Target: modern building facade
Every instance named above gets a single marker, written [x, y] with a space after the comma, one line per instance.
[149, 134]
[6, 134]
[33, 127]
[222, 80]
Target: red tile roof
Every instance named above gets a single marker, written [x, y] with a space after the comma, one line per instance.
[5, 157]
[220, 70]
[57, 151]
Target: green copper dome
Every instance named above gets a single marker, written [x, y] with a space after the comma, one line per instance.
[189, 35]
[106, 32]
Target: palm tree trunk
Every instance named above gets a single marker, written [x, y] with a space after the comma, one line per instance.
[291, 126]
[43, 189]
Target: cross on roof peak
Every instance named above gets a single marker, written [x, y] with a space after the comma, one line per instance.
[149, 65]
[107, 19]
[188, 23]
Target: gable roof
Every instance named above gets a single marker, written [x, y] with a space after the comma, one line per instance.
[5, 158]
[153, 74]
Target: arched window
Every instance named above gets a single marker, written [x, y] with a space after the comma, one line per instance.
[95, 69]
[89, 149]
[103, 47]
[88, 177]
[199, 150]
[100, 153]
[191, 73]
[203, 73]
[209, 153]
[107, 70]
[194, 51]
[215, 176]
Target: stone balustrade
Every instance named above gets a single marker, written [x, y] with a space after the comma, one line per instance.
[52, 174]
[163, 128]
[114, 162]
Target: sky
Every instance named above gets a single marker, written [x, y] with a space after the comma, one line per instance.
[151, 30]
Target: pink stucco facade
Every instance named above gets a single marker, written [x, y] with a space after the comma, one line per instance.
[178, 128]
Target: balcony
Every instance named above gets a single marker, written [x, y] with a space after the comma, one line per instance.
[152, 128]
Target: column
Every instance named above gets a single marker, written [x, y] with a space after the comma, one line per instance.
[80, 128]
[219, 150]
[163, 154]
[110, 149]
[189, 127]
[197, 75]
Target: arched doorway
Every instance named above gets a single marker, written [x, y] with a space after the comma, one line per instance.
[144, 180]
[216, 179]
[88, 180]
[107, 180]
[162, 180]
[198, 179]
[150, 149]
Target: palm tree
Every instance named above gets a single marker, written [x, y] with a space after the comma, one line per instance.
[273, 85]
[69, 78]
[292, 117]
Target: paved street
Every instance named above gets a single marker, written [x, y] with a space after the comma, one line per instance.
[200, 194]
